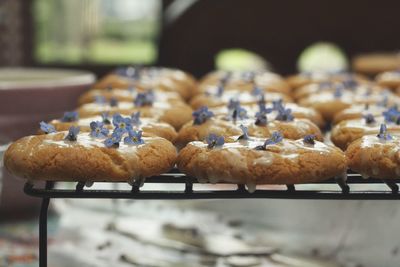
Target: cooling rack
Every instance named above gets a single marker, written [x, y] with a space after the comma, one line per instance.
[339, 189]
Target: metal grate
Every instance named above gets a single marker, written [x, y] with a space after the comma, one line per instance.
[342, 190]
[339, 189]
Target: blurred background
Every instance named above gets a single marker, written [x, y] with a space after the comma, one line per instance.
[89, 38]
[97, 35]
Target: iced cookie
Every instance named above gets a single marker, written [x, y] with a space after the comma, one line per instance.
[345, 132]
[175, 114]
[329, 104]
[263, 125]
[389, 79]
[74, 156]
[359, 111]
[297, 111]
[255, 161]
[125, 95]
[375, 156]
[163, 78]
[304, 78]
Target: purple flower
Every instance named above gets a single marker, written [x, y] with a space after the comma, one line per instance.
[392, 114]
[122, 123]
[309, 139]
[261, 118]
[220, 90]
[256, 91]
[98, 129]
[324, 85]
[201, 115]
[47, 128]
[369, 118]
[384, 102]
[226, 78]
[383, 134]
[105, 116]
[135, 118]
[70, 116]
[261, 103]
[248, 76]
[214, 140]
[277, 104]
[113, 102]
[245, 133]
[338, 91]
[233, 103]
[134, 138]
[284, 114]
[99, 99]
[350, 82]
[130, 72]
[275, 139]
[144, 99]
[239, 113]
[72, 133]
[115, 138]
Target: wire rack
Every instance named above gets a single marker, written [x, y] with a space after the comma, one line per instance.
[339, 189]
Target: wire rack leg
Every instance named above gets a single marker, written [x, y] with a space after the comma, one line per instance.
[43, 232]
[43, 228]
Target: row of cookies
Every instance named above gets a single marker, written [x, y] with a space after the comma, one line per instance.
[121, 131]
[280, 141]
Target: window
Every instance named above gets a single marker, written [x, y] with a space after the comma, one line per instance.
[96, 31]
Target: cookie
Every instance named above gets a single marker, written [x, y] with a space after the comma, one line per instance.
[165, 79]
[375, 156]
[262, 126]
[375, 63]
[72, 156]
[125, 95]
[331, 103]
[223, 98]
[147, 125]
[389, 79]
[176, 114]
[244, 81]
[366, 89]
[345, 132]
[304, 78]
[297, 111]
[256, 161]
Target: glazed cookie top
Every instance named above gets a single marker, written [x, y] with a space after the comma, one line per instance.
[297, 111]
[304, 78]
[389, 79]
[125, 95]
[255, 161]
[365, 89]
[376, 155]
[245, 81]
